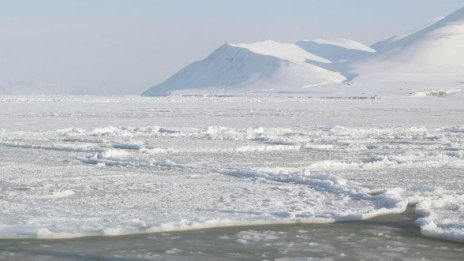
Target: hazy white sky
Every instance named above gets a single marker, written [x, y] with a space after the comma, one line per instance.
[127, 46]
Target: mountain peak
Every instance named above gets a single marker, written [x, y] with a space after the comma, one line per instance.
[257, 67]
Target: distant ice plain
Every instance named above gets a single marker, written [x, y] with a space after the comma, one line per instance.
[88, 166]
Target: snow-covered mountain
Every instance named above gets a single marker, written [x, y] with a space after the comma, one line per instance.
[266, 66]
[431, 58]
[428, 60]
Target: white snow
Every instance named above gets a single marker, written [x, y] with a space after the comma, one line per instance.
[87, 166]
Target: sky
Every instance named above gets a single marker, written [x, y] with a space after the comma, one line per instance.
[127, 46]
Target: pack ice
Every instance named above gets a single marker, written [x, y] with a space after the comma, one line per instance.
[88, 166]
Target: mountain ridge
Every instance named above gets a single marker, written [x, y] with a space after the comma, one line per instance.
[430, 58]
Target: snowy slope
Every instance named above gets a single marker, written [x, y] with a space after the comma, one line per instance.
[384, 44]
[341, 52]
[265, 66]
[429, 59]
[284, 51]
[336, 50]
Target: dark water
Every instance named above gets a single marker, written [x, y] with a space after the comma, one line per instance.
[393, 237]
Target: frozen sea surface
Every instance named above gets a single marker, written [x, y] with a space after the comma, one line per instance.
[107, 166]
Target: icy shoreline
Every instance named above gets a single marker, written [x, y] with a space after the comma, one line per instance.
[384, 237]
